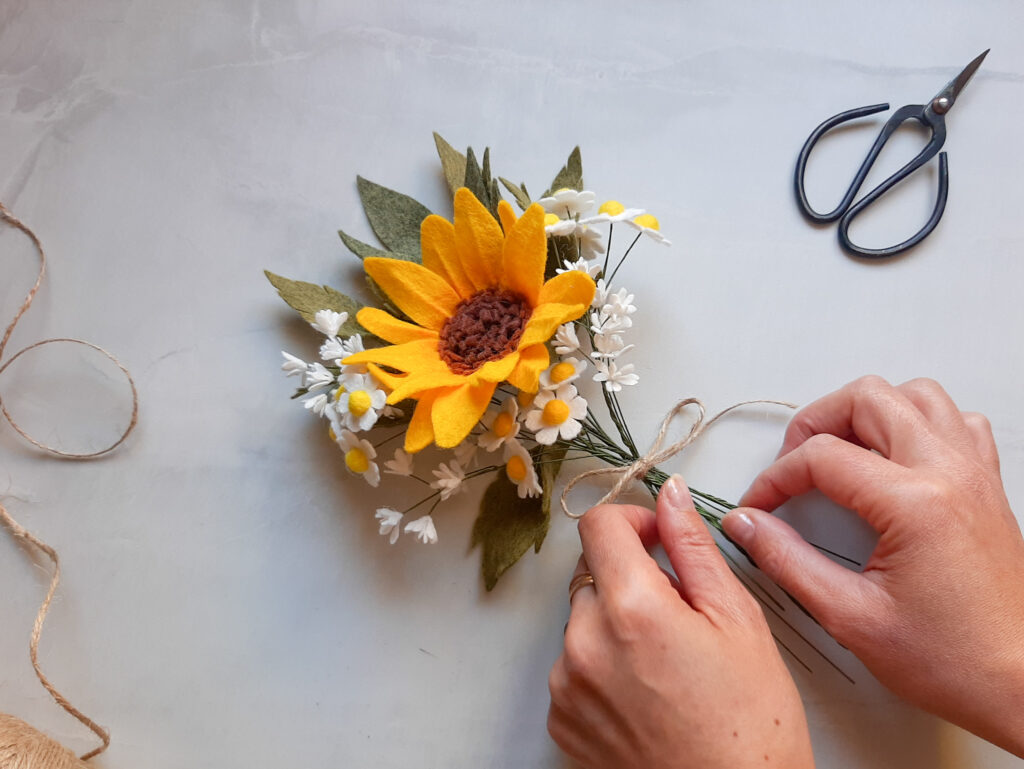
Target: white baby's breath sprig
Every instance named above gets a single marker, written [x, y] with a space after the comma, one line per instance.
[399, 464]
[449, 477]
[614, 376]
[329, 322]
[390, 523]
[424, 530]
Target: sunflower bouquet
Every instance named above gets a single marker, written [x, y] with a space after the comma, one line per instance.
[496, 347]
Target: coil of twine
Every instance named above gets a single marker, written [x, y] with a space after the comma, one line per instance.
[22, 746]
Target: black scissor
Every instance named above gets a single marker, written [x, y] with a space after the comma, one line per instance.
[930, 115]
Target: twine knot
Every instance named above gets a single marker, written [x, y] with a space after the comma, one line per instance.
[641, 466]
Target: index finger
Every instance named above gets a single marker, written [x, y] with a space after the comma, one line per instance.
[615, 540]
[870, 410]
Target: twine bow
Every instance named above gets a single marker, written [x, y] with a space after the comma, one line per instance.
[19, 531]
[638, 470]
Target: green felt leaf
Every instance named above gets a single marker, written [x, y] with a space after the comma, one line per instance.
[394, 217]
[561, 249]
[571, 175]
[518, 193]
[474, 180]
[506, 528]
[363, 250]
[549, 458]
[383, 299]
[308, 298]
[452, 161]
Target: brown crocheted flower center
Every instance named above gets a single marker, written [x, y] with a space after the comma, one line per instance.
[485, 327]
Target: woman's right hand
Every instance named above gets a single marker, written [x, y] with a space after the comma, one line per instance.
[938, 612]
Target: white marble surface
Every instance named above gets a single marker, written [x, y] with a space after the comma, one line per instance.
[227, 600]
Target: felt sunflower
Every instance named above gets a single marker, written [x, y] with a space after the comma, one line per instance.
[481, 311]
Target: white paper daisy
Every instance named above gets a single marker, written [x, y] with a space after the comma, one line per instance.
[520, 470]
[564, 371]
[359, 456]
[556, 414]
[359, 401]
[501, 425]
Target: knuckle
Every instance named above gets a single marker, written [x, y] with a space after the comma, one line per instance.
[978, 422]
[935, 492]
[871, 384]
[925, 386]
[577, 662]
[630, 611]
[596, 518]
[776, 560]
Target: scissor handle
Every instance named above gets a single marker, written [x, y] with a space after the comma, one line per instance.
[846, 211]
[805, 154]
[933, 220]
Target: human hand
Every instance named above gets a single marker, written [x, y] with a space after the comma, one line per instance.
[938, 612]
[660, 672]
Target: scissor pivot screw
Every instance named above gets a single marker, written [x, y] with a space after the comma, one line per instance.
[942, 105]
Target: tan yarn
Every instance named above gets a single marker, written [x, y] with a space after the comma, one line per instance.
[656, 454]
[22, 746]
[25, 747]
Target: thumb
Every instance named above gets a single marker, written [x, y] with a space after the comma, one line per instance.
[841, 600]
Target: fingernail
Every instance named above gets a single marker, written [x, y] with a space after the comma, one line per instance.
[739, 527]
[675, 490]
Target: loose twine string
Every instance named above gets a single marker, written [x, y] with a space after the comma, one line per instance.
[20, 744]
[636, 471]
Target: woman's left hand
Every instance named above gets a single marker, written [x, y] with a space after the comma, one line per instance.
[665, 672]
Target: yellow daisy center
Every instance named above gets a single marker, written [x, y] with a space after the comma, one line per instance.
[485, 327]
[562, 189]
[359, 402]
[647, 220]
[357, 461]
[550, 219]
[525, 399]
[562, 371]
[555, 412]
[338, 392]
[503, 424]
[611, 207]
[516, 469]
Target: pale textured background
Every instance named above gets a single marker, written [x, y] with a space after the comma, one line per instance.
[227, 600]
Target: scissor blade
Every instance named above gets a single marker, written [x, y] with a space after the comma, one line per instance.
[957, 84]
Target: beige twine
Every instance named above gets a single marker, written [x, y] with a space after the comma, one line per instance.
[22, 746]
[656, 454]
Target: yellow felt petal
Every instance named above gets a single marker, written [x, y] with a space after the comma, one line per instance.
[391, 329]
[415, 384]
[386, 378]
[420, 432]
[506, 215]
[478, 239]
[546, 319]
[573, 287]
[419, 356]
[420, 293]
[525, 254]
[440, 254]
[455, 413]
[532, 361]
[497, 370]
